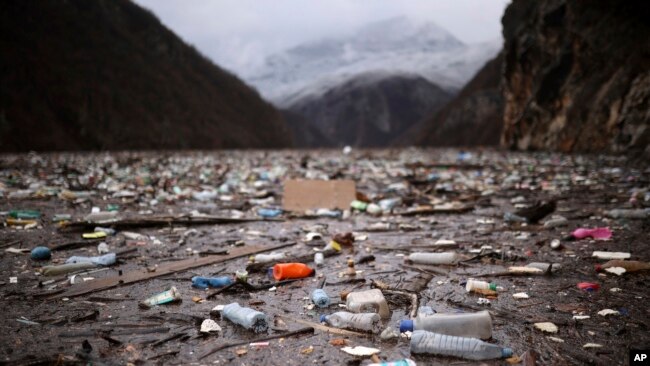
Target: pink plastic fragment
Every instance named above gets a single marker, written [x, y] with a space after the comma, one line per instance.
[600, 233]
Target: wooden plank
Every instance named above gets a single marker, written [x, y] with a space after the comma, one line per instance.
[143, 275]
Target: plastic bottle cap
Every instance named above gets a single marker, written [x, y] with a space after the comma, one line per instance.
[506, 352]
[406, 326]
[323, 318]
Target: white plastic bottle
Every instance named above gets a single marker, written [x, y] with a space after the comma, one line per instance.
[445, 345]
[482, 285]
[369, 322]
[246, 317]
[368, 301]
[319, 259]
[267, 258]
[544, 266]
[473, 325]
[434, 258]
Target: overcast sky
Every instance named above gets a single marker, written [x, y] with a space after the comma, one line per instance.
[237, 33]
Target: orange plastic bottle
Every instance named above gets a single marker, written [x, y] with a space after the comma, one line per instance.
[283, 271]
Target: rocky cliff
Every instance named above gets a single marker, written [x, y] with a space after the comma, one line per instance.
[106, 74]
[370, 109]
[577, 75]
[473, 117]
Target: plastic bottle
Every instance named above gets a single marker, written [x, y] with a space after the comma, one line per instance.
[283, 271]
[214, 282]
[555, 222]
[425, 311]
[66, 268]
[388, 204]
[473, 325]
[319, 259]
[101, 216]
[246, 317]
[368, 301]
[475, 284]
[369, 322]
[165, 297]
[106, 230]
[446, 345]
[267, 258]
[630, 266]
[269, 212]
[359, 205]
[544, 266]
[374, 209]
[628, 213]
[434, 258]
[320, 298]
[404, 362]
[102, 260]
[24, 214]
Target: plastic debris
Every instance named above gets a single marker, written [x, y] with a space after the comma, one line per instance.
[41, 253]
[166, 297]
[360, 351]
[445, 345]
[209, 325]
[588, 286]
[606, 312]
[547, 327]
[246, 317]
[611, 255]
[599, 233]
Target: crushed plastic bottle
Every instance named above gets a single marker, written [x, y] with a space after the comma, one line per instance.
[446, 345]
[211, 282]
[268, 258]
[283, 271]
[165, 297]
[320, 298]
[544, 266]
[368, 301]
[434, 258]
[102, 260]
[369, 322]
[246, 317]
[473, 325]
[555, 222]
[374, 209]
[387, 204]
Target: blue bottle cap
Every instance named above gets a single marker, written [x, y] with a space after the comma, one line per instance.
[506, 352]
[406, 326]
[322, 318]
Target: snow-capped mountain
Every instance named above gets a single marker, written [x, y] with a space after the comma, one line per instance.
[397, 45]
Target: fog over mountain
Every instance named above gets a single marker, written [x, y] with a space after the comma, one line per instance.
[397, 45]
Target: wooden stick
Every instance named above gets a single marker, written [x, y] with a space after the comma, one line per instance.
[140, 222]
[324, 328]
[142, 275]
[276, 336]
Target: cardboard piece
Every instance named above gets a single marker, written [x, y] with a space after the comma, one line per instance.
[301, 195]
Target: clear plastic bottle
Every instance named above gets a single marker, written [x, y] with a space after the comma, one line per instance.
[369, 322]
[368, 301]
[476, 284]
[246, 317]
[473, 325]
[319, 259]
[320, 298]
[404, 362]
[101, 216]
[267, 258]
[434, 258]
[102, 260]
[446, 345]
